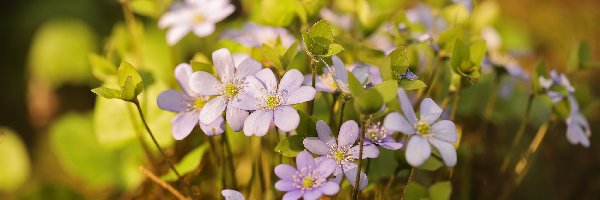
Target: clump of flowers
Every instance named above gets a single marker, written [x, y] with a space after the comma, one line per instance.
[310, 180]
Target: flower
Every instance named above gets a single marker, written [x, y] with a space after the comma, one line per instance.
[188, 105]
[342, 150]
[232, 195]
[272, 103]
[380, 136]
[199, 16]
[423, 131]
[309, 180]
[558, 88]
[254, 35]
[226, 89]
[337, 77]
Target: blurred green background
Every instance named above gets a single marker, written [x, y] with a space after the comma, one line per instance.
[45, 74]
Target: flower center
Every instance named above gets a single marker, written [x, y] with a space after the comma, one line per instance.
[307, 182]
[329, 81]
[339, 155]
[231, 90]
[198, 19]
[199, 103]
[423, 128]
[272, 102]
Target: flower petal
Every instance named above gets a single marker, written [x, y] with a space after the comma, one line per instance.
[236, 118]
[350, 171]
[417, 151]
[212, 109]
[286, 118]
[312, 194]
[175, 34]
[293, 195]
[183, 124]
[254, 87]
[267, 78]
[304, 160]
[285, 171]
[339, 70]
[285, 185]
[407, 107]
[248, 67]
[446, 150]
[300, 95]
[204, 83]
[329, 188]
[576, 134]
[369, 151]
[397, 123]
[232, 195]
[258, 123]
[223, 63]
[390, 143]
[444, 130]
[348, 133]
[215, 128]
[204, 29]
[324, 132]
[429, 111]
[316, 146]
[245, 102]
[172, 100]
[290, 81]
[183, 72]
[326, 167]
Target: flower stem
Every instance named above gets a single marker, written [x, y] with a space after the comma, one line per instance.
[410, 177]
[162, 183]
[360, 156]
[491, 102]
[334, 107]
[137, 105]
[343, 105]
[311, 103]
[455, 103]
[517, 138]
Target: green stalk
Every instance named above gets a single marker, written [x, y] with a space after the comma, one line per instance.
[517, 138]
[311, 103]
[491, 103]
[410, 177]
[360, 156]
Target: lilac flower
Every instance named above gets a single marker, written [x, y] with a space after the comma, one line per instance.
[337, 77]
[254, 35]
[558, 88]
[199, 16]
[423, 131]
[272, 103]
[309, 181]
[232, 195]
[380, 136]
[188, 104]
[227, 88]
[342, 150]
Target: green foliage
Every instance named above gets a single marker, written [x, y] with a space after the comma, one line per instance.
[80, 153]
[189, 162]
[540, 71]
[274, 12]
[388, 90]
[130, 81]
[59, 52]
[411, 84]
[290, 146]
[102, 68]
[107, 93]
[382, 166]
[395, 64]
[319, 40]
[307, 126]
[431, 164]
[414, 191]
[368, 102]
[149, 8]
[466, 59]
[15, 168]
[581, 57]
[440, 191]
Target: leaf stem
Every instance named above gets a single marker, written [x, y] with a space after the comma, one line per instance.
[137, 105]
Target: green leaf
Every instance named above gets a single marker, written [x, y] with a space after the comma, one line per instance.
[356, 88]
[15, 168]
[580, 56]
[189, 162]
[289, 54]
[290, 146]
[107, 92]
[333, 49]
[102, 68]
[388, 90]
[477, 51]
[149, 8]
[272, 56]
[321, 29]
[129, 80]
[440, 190]
[447, 38]
[395, 64]
[414, 191]
[431, 164]
[407, 84]
[368, 102]
[307, 126]
[540, 71]
[460, 55]
[278, 13]
[202, 66]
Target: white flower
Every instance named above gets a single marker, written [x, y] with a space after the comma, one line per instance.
[254, 35]
[199, 16]
[425, 130]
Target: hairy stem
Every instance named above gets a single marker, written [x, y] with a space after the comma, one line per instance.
[410, 177]
[311, 103]
[360, 155]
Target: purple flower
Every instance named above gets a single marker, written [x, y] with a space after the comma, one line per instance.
[342, 150]
[227, 89]
[332, 78]
[272, 103]
[254, 35]
[232, 195]
[309, 180]
[578, 128]
[380, 136]
[423, 131]
[557, 87]
[188, 104]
